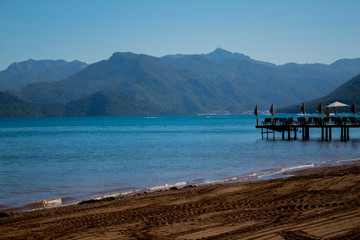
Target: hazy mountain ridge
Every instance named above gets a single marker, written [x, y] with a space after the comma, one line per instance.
[197, 83]
[345, 68]
[18, 75]
[220, 55]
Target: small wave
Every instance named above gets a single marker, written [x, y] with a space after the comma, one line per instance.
[67, 200]
[282, 170]
[212, 182]
[40, 204]
[254, 175]
[297, 167]
[117, 194]
[250, 176]
[167, 186]
[112, 190]
[50, 203]
[246, 177]
[348, 160]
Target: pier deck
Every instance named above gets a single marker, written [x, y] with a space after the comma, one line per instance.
[290, 125]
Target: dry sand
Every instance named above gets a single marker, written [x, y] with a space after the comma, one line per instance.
[318, 203]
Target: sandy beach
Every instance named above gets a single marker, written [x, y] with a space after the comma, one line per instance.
[319, 203]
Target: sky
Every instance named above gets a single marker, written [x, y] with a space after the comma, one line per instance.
[277, 31]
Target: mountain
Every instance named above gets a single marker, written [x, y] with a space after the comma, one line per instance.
[347, 93]
[196, 83]
[220, 55]
[18, 75]
[103, 103]
[245, 82]
[107, 103]
[344, 68]
[140, 76]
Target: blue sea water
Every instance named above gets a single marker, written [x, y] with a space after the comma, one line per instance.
[84, 157]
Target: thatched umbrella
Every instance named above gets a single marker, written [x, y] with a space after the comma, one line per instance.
[336, 104]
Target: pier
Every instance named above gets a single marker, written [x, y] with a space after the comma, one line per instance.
[289, 127]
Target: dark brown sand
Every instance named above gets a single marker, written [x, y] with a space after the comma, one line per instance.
[321, 203]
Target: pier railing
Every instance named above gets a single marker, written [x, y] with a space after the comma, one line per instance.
[333, 121]
[291, 125]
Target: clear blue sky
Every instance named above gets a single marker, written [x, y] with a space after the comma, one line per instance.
[277, 31]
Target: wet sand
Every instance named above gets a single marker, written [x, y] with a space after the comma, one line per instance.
[320, 203]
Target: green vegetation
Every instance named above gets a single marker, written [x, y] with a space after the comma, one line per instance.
[11, 106]
[104, 103]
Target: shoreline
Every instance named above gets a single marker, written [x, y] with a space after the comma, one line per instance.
[254, 176]
[312, 203]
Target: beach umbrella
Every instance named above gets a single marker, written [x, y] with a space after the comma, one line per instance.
[272, 109]
[353, 108]
[256, 111]
[302, 108]
[336, 104]
[320, 108]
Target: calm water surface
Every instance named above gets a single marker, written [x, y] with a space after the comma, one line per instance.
[83, 157]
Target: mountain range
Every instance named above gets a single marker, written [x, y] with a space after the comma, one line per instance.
[18, 75]
[197, 83]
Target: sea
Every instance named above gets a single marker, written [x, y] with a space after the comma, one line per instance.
[54, 161]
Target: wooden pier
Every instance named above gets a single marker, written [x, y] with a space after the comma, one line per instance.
[291, 126]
